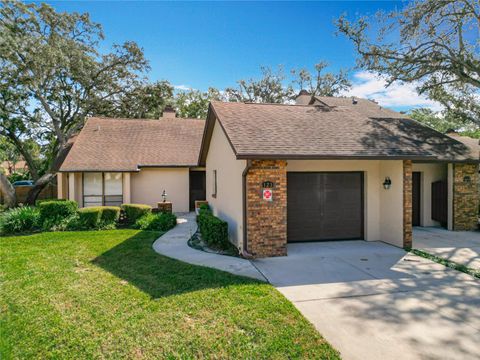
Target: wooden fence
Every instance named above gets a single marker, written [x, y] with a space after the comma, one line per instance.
[49, 192]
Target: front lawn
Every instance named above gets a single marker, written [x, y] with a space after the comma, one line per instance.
[107, 294]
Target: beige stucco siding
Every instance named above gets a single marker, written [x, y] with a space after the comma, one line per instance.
[429, 174]
[228, 203]
[383, 208]
[147, 185]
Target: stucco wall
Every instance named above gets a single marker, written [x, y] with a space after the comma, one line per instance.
[429, 174]
[147, 185]
[228, 203]
[75, 191]
[391, 203]
[383, 208]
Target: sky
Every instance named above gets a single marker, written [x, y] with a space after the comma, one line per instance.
[213, 44]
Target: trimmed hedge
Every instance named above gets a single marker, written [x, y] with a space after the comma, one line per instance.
[54, 212]
[98, 217]
[110, 215]
[214, 230]
[89, 218]
[161, 221]
[135, 211]
[18, 220]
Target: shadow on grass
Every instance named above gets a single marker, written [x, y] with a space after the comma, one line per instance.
[135, 261]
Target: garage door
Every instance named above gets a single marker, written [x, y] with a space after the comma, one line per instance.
[324, 206]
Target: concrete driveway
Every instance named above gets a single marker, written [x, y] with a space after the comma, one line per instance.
[373, 301]
[462, 247]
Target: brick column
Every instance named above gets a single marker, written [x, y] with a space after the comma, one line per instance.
[465, 196]
[407, 204]
[267, 220]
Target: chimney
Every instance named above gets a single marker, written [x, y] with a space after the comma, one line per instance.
[169, 112]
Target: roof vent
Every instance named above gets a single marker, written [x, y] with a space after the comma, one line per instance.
[354, 101]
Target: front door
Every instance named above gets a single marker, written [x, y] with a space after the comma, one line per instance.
[416, 198]
[197, 187]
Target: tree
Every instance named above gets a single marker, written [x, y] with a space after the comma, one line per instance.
[52, 78]
[145, 101]
[318, 84]
[194, 103]
[269, 89]
[430, 42]
[7, 190]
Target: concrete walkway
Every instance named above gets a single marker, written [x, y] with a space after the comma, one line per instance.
[463, 247]
[174, 245]
[374, 301]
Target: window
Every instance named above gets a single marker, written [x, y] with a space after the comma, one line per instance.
[214, 183]
[102, 189]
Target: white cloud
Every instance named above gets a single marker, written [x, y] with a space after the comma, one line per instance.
[183, 87]
[398, 95]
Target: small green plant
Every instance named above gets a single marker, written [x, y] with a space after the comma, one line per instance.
[18, 220]
[161, 221]
[56, 212]
[135, 211]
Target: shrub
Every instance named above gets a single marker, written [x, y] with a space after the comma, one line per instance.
[214, 230]
[89, 218]
[161, 221]
[109, 216]
[54, 212]
[21, 219]
[135, 211]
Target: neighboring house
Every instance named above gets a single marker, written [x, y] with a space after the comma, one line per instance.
[115, 161]
[10, 168]
[324, 169]
[331, 169]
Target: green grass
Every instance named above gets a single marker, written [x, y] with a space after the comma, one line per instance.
[107, 294]
[448, 263]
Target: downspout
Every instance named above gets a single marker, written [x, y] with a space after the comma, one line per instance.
[245, 252]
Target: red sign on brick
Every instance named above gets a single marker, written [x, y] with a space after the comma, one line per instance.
[267, 194]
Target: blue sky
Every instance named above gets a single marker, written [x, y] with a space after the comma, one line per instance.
[202, 44]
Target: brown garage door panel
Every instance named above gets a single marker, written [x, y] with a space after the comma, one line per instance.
[324, 206]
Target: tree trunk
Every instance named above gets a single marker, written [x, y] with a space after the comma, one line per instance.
[38, 187]
[8, 191]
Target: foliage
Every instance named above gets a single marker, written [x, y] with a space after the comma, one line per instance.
[194, 103]
[432, 43]
[18, 220]
[110, 215]
[318, 84]
[113, 282]
[89, 218]
[17, 176]
[52, 77]
[135, 211]
[145, 101]
[161, 221]
[214, 230]
[442, 122]
[269, 89]
[55, 215]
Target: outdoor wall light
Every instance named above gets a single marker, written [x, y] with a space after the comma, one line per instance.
[164, 196]
[387, 183]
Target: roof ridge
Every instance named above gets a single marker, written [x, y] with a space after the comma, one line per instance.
[142, 119]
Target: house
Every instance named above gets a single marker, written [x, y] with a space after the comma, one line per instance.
[323, 169]
[115, 161]
[331, 169]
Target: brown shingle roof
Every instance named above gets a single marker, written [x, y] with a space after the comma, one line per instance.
[339, 130]
[126, 144]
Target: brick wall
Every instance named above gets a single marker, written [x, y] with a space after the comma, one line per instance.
[465, 196]
[407, 204]
[267, 220]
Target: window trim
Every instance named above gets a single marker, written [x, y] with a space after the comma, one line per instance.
[103, 196]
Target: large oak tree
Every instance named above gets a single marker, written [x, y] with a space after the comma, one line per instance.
[52, 77]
